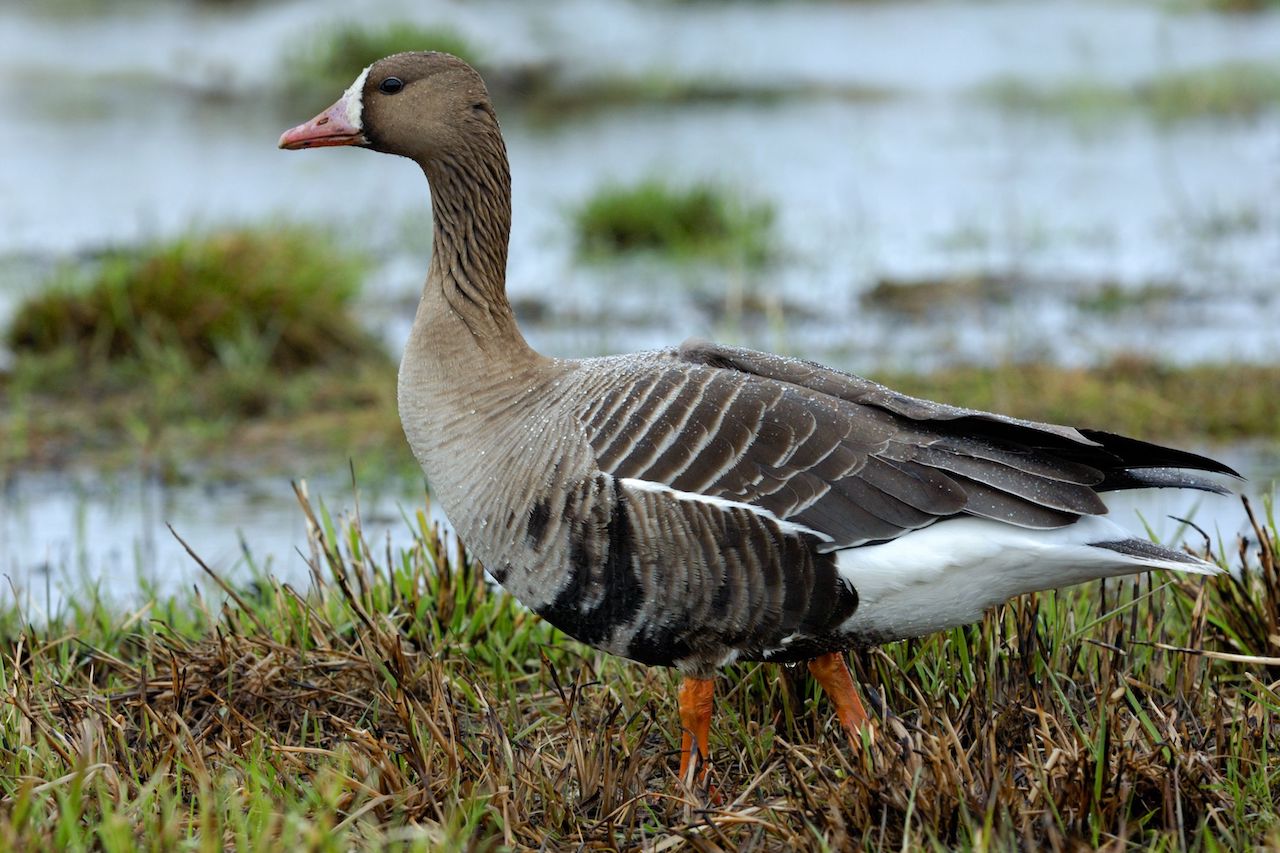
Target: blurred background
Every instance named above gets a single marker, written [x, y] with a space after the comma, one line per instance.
[1066, 210]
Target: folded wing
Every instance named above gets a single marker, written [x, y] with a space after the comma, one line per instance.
[853, 460]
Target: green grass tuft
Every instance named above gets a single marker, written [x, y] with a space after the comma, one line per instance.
[703, 220]
[167, 347]
[1083, 101]
[1111, 297]
[918, 297]
[321, 64]
[1233, 90]
[204, 299]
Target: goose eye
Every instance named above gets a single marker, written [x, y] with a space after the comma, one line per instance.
[391, 85]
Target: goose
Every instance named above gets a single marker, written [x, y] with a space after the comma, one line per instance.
[699, 505]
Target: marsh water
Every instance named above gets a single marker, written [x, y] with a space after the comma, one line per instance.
[155, 118]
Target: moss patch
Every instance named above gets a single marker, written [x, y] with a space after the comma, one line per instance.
[702, 220]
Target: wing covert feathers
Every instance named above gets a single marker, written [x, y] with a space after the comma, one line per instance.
[850, 458]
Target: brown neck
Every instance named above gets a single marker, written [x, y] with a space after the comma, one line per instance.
[471, 209]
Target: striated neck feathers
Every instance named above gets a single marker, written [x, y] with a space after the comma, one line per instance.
[471, 210]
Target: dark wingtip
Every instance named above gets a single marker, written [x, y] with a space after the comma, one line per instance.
[1160, 478]
[1135, 453]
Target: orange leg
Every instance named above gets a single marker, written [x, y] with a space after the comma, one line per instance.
[696, 695]
[832, 672]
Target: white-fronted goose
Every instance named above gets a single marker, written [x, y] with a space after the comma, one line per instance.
[695, 506]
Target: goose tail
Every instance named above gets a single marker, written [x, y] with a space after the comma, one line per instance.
[1144, 554]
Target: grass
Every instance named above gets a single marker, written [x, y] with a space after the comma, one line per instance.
[703, 220]
[1111, 297]
[556, 98]
[246, 339]
[320, 65]
[549, 96]
[919, 297]
[1235, 6]
[946, 294]
[174, 415]
[1203, 402]
[286, 289]
[1082, 100]
[403, 704]
[1232, 90]
[163, 349]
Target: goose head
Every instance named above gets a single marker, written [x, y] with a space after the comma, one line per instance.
[426, 106]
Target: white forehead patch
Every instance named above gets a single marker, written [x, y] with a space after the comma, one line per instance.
[354, 99]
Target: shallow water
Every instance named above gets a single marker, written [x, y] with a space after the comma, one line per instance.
[77, 532]
[159, 117]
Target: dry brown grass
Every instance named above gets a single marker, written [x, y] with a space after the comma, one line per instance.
[402, 703]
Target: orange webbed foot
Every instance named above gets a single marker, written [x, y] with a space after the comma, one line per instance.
[696, 699]
[832, 672]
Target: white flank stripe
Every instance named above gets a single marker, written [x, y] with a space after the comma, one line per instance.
[787, 527]
[354, 99]
[950, 573]
[729, 657]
